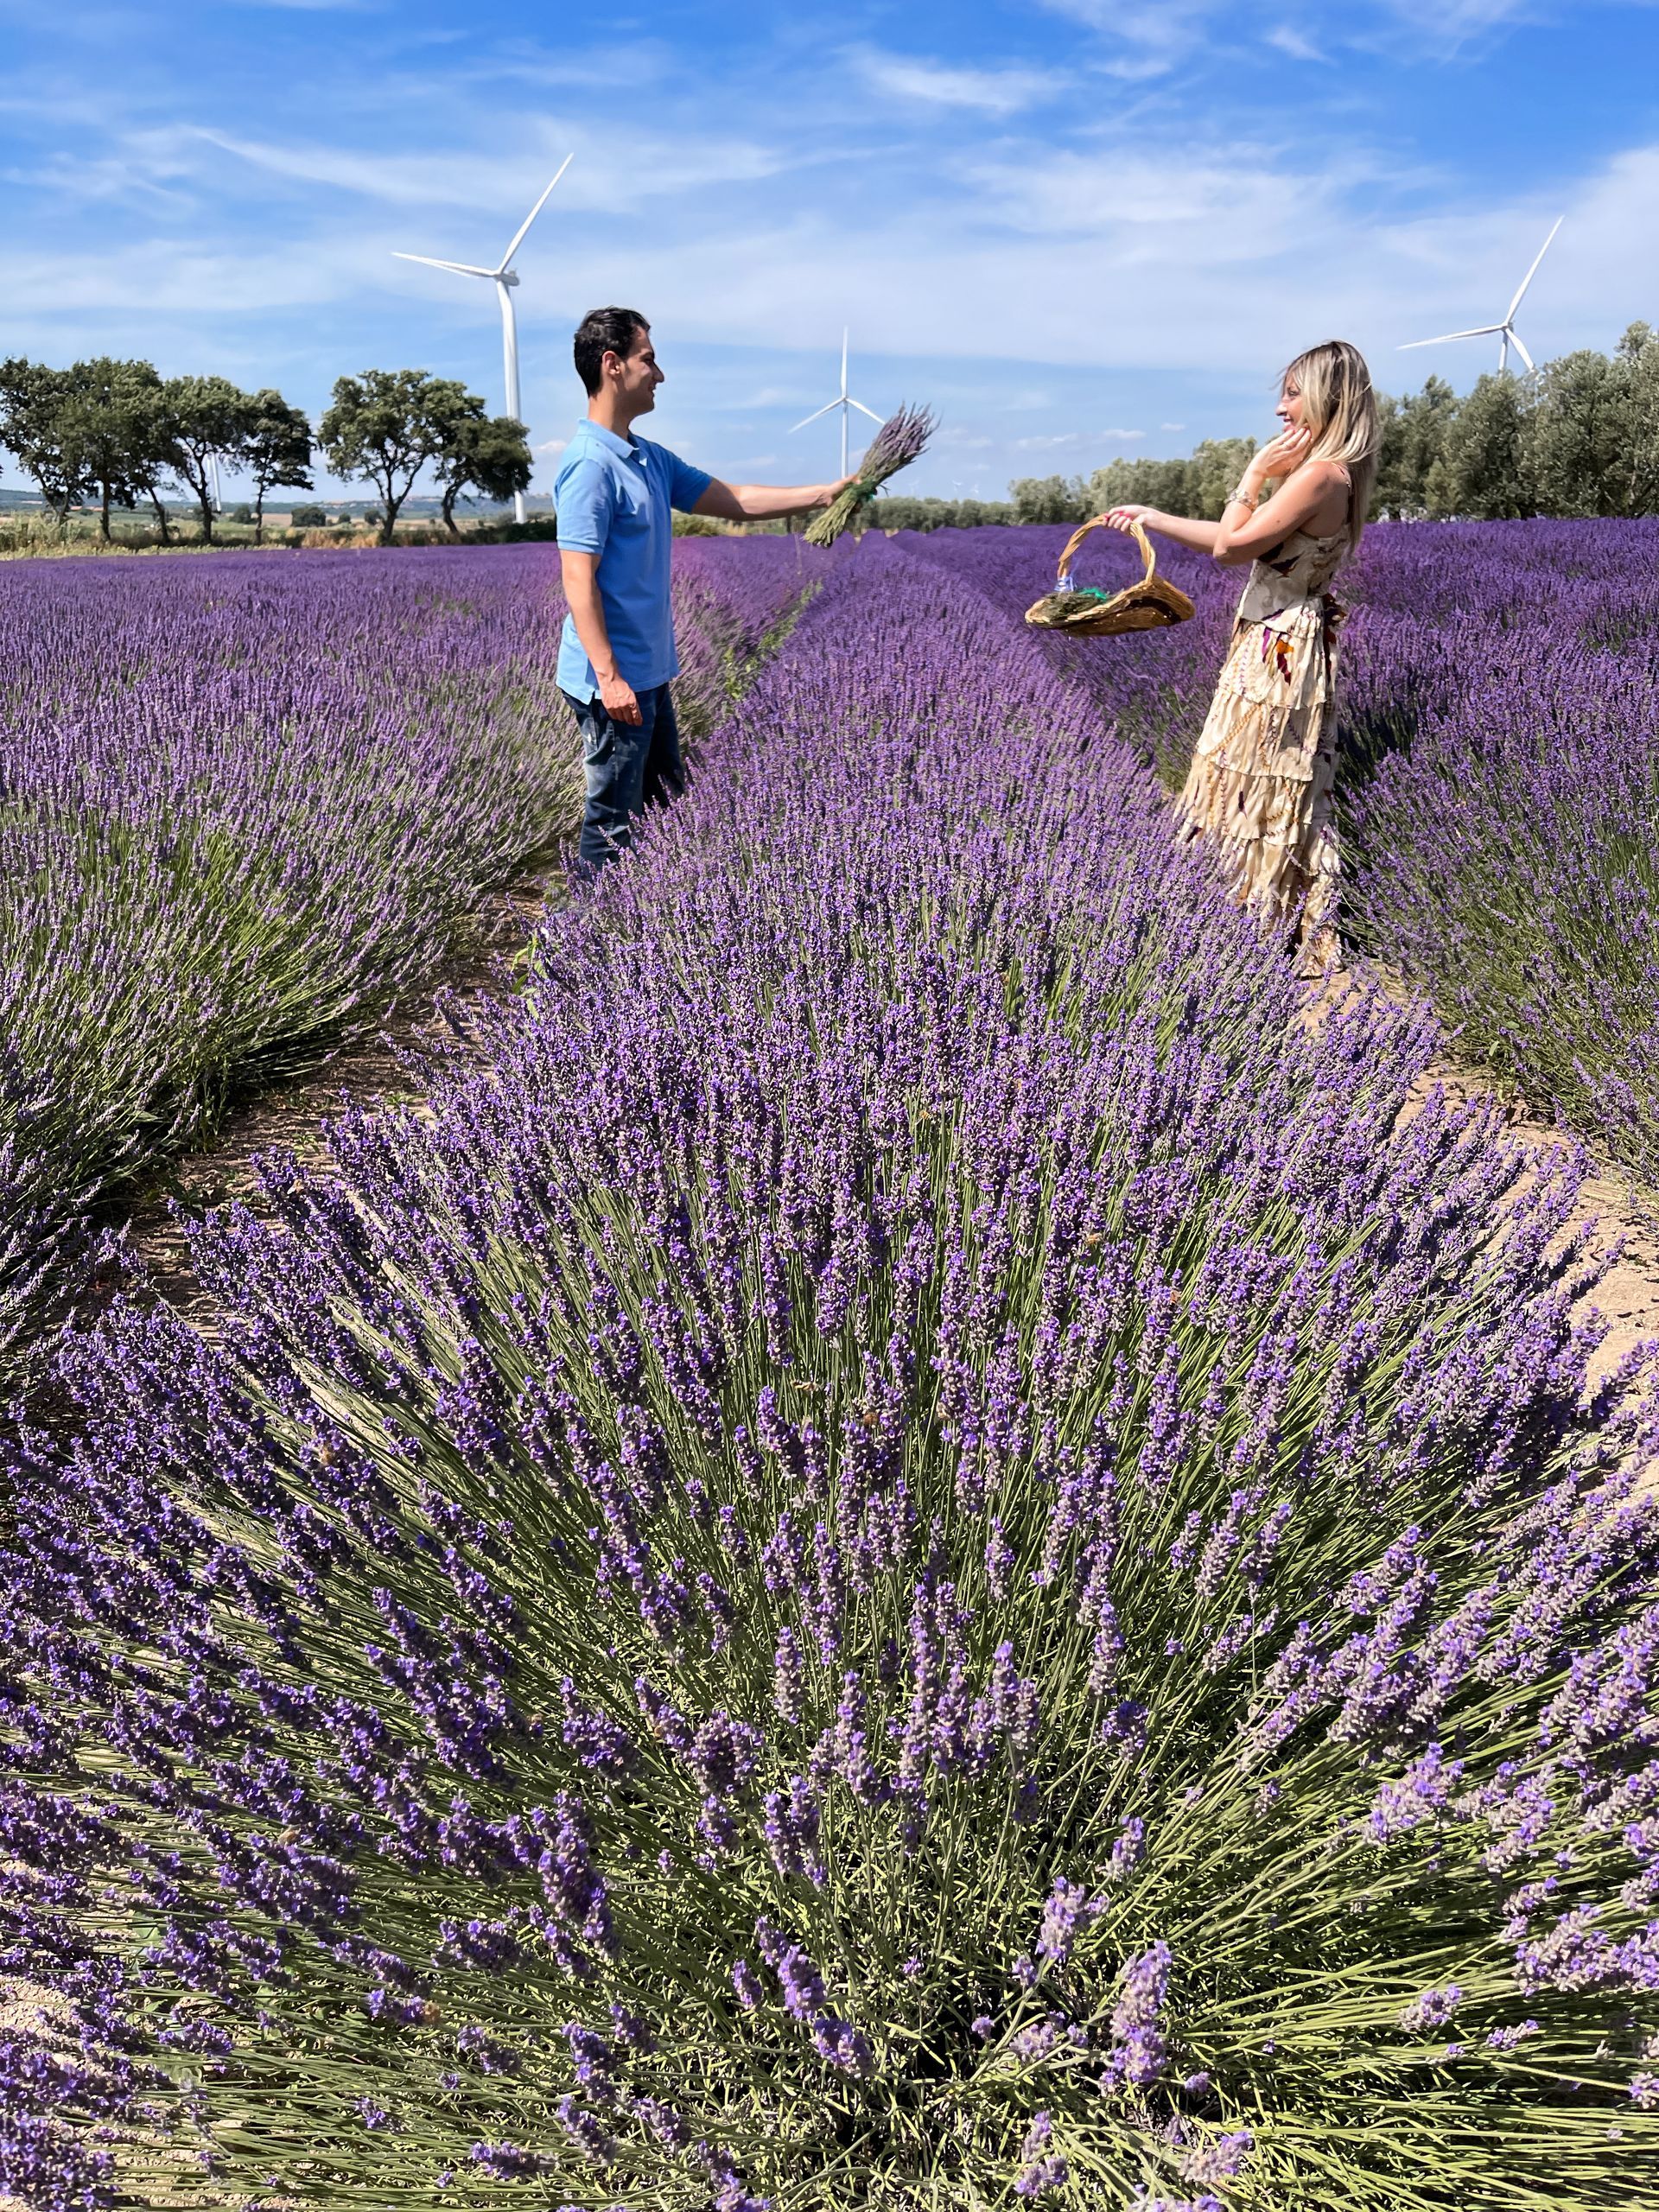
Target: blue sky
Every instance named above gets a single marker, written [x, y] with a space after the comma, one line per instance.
[1078, 227]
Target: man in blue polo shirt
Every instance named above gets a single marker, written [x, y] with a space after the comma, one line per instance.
[614, 494]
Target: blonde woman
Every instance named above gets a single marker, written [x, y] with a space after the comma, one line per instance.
[1260, 786]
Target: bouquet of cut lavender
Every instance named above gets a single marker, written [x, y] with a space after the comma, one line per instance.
[900, 440]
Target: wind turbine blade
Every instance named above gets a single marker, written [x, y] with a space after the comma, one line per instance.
[863, 410]
[519, 239]
[843, 364]
[1515, 341]
[806, 419]
[1533, 271]
[1486, 330]
[456, 268]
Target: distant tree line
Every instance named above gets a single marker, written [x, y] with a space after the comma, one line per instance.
[1579, 436]
[902, 512]
[1197, 485]
[117, 433]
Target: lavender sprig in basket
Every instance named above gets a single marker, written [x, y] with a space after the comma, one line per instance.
[900, 440]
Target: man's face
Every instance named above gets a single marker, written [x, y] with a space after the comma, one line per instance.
[639, 376]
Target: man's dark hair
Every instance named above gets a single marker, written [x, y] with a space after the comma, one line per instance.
[602, 331]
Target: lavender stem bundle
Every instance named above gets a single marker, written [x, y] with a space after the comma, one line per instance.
[900, 440]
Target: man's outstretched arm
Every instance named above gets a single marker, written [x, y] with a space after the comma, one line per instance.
[765, 502]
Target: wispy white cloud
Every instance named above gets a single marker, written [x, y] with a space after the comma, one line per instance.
[1229, 264]
[1288, 40]
[1061, 441]
[663, 167]
[1140, 43]
[905, 78]
[1459, 20]
[82, 177]
[1151, 43]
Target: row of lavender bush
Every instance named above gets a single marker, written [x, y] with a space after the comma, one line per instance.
[909, 1553]
[243, 804]
[1506, 848]
[1499, 709]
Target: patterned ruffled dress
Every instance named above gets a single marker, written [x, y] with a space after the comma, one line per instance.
[1259, 789]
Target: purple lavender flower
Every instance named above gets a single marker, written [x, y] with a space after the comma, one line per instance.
[1138, 2050]
[1043, 2168]
[1066, 1914]
[1433, 2009]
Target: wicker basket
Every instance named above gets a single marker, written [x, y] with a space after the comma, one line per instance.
[1151, 604]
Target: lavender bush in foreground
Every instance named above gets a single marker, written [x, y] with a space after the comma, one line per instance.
[912, 1554]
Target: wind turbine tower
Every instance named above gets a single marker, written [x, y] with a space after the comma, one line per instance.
[1505, 332]
[845, 401]
[504, 278]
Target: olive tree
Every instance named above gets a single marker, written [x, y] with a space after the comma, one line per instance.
[387, 425]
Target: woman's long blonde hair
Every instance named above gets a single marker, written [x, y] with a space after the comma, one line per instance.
[1339, 407]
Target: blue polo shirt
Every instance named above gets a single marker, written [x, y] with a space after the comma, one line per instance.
[615, 497]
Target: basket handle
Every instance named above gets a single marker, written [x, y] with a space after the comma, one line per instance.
[1072, 543]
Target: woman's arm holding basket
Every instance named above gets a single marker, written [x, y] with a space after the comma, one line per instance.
[1200, 535]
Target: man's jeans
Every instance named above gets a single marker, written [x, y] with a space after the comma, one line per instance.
[627, 770]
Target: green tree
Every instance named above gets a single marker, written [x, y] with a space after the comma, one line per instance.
[1212, 473]
[110, 415]
[1413, 438]
[1141, 482]
[1047, 498]
[208, 419]
[1578, 435]
[1481, 472]
[481, 453]
[276, 450]
[1638, 360]
[386, 426]
[153, 460]
[39, 424]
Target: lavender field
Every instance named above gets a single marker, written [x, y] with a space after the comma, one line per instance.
[243, 806]
[905, 1550]
[1500, 707]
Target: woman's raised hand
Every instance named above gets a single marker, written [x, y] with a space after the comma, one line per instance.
[1282, 455]
[1125, 517]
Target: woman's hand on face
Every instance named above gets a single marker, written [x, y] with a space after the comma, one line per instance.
[1125, 518]
[1282, 455]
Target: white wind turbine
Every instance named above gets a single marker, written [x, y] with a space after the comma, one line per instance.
[845, 401]
[504, 278]
[1505, 332]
